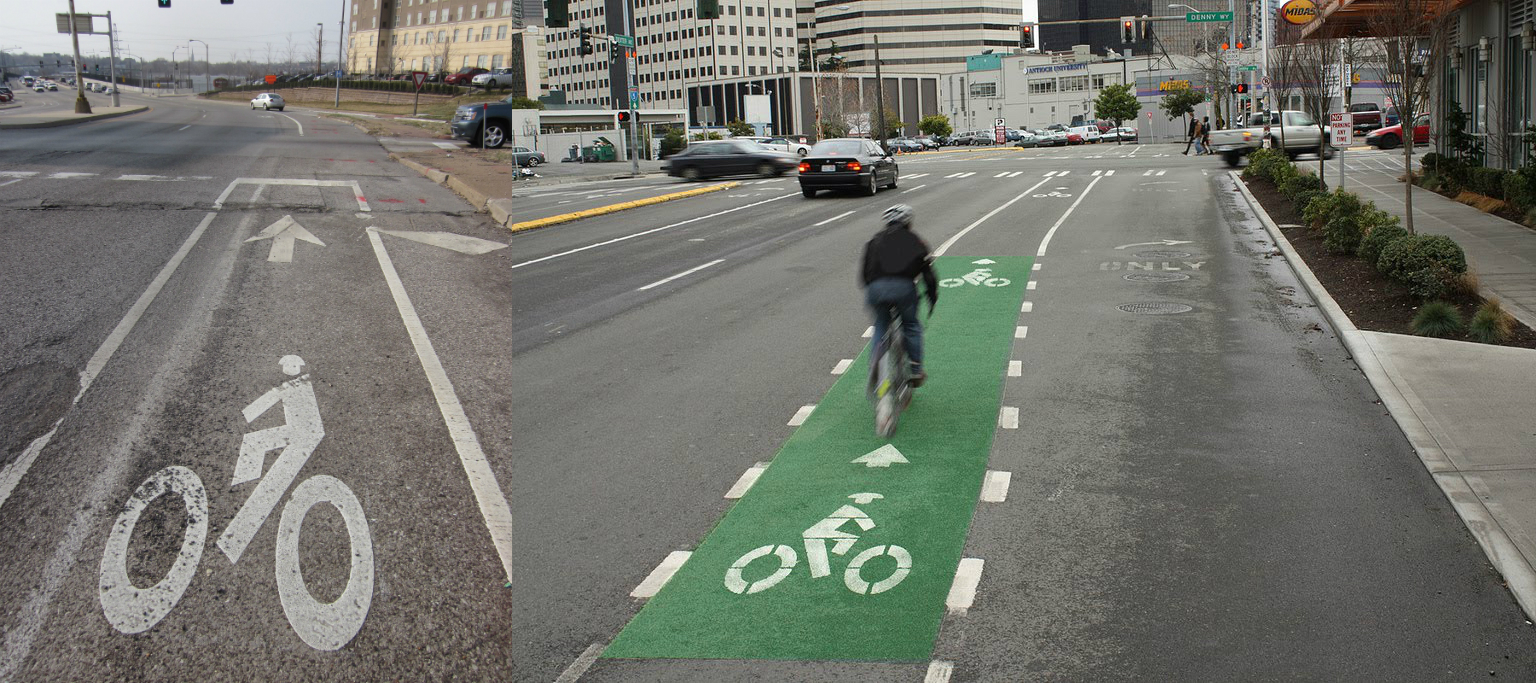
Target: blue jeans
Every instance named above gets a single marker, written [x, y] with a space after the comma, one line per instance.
[886, 292]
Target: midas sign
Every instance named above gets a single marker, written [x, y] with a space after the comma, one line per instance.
[1299, 11]
[1172, 85]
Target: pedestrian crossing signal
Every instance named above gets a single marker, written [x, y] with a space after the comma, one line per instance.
[165, 4]
[625, 116]
[1240, 89]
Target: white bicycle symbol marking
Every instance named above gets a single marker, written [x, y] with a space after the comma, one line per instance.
[816, 537]
[323, 626]
[980, 277]
[1052, 193]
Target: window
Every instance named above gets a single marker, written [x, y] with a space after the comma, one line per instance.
[375, 22]
[1101, 80]
[466, 62]
[480, 61]
[735, 70]
[461, 14]
[730, 10]
[733, 49]
[778, 31]
[432, 17]
[442, 36]
[354, 9]
[392, 39]
[732, 30]
[419, 15]
[1074, 83]
[490, 9]
[1042, 86]
[474, 11]
[456, 35]
[983, 90]
[485, 33]
[506, 8]
[370, 41]
[496, 61]
[501, 32]
[751, 71]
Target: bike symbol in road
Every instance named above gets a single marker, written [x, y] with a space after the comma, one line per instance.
[816, 538]
[323, 626]
[979, 277]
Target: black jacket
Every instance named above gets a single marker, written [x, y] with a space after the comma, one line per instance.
[898, 252]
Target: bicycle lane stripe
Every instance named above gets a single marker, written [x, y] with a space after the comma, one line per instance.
[945, 437]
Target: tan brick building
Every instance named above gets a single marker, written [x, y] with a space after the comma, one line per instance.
[444, 36]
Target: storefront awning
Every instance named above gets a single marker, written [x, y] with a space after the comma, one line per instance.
[1353, 18]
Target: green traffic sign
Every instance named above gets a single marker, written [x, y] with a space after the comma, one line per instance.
[1198, 17]
[623, 40]
[1250, 67]
[846, 547]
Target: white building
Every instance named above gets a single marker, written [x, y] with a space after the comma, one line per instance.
[923, 36]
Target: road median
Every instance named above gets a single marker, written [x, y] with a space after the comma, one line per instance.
[63, 118]
[611, 208]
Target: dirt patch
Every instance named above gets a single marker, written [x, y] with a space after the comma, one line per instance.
[32, 398]
[1371, 300]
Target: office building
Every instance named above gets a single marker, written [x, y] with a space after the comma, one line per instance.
[915, 35]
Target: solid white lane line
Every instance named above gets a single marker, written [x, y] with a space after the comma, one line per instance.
[1015, 368]
[295, 122]
[659, 576]
[1027, 306]
[69, 174]
[748, 478]
[869, 332]
[914, 189]
[8, 182]
[1021, 332]
[648, 232]
[963, 591]
[829, 220]
[685, 273]
[995, 488]
[1031, 284]
[584, 661]
[183, 128]
[939, 671]
[802, 415]
[956, 237]
[1008, 418]
[482, 480]
[1052, 232]
[842, 366]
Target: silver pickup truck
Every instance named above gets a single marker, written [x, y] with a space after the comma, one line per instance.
[1301, 134]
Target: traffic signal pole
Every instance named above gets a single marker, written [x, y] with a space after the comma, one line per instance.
[631, 80]
[111, 61]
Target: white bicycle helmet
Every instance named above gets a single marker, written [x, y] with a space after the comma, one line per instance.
[900, 214]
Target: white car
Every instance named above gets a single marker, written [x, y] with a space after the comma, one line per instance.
[497, 78]
[108, 89]
[269, 101]
[794, 144]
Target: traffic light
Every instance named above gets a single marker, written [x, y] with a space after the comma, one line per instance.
[559, 13]
[586, 41]
[226, 2]
[1127, 30]
[1027, 37]
[1239, 88]
[625, 116]
[1239, 44]
[165, 4]
[709, 9]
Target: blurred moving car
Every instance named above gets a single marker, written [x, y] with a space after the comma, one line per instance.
[1392, 136]
[269, 101]
[847, 163]
[710, 158]
[927, 141]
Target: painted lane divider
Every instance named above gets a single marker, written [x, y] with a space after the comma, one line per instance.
[685, 273]
[842, 366]
[1021, 332]
[661, 574]
[1027, 307]
[995, 488]
[744, 484]
[939, 671]
[1015, 368]
[844, 528]
[840, 216]
[869, 332]
[1031, 285]
[1008, 417]
[801, 415]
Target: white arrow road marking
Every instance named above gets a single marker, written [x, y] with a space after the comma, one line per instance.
[283, 233]
[884, 456]
[984, 262]
[463, 244]
[1159, 243]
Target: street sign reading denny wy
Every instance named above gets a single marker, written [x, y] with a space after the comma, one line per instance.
[1198, 17]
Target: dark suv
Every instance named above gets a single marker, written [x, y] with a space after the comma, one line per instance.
[492, 132]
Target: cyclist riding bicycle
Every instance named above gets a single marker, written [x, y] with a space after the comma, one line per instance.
[893, 259]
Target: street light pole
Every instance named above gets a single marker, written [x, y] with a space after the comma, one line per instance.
[81, 105]
[207, 64]
[341, 38]
[879, 128]
[111, 63]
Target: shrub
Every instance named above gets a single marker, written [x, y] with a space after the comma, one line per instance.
[672, 143]
[1317, 211]
[1300, 183]
[1488, 182]
[1520, 188]
[1428, 265]
[1437, 319]
[1381, 229]
[1263, 163]
[1491, 324]
[1304, 198]
[1342, 230]
[1282, 173]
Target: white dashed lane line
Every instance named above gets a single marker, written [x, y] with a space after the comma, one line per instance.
[659, 576]
[801, 415]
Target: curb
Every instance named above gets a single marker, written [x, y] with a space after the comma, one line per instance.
[481, 200]
[1502, 552]
[614, 208]
[65, 122]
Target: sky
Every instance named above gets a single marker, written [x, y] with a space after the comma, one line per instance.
[149, 32]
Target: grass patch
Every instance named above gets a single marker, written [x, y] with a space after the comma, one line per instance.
[1491, 324]
[1480, 202]
[1437, 319]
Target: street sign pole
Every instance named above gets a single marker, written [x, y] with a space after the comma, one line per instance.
[111, 61]
[633, 81]
[417, 78]
[1342, 133]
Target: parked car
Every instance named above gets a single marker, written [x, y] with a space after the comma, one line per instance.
[1028, 139]
[1074, 138]
[269, 101]
[737, 156]
[927, 141]
[500, 78]
[6, 96]
[1367, 116]
[847, 163]
[1123, 134]
[903, 145]
[527, 157]
[1392, 136]
[464, 77]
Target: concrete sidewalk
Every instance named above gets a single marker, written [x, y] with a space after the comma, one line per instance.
[1503, 254]
[1469, 410]
[49, 118]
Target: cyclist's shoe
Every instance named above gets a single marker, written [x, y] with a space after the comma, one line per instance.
[917, 378]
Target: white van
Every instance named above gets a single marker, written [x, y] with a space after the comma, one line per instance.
[1088, 133]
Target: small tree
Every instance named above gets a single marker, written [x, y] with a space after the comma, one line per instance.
[894, 126]
[936, 125]
[738, 128]
[1181, 103]
[672, 142]
[1116, 103]
[1313, 63]
[834, 126]
[1401, 25]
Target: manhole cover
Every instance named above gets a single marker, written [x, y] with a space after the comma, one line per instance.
[1156, 277]
[1162, 254]
[1155, 308]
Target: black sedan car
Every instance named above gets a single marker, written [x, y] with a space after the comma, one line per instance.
[847, 163]
[728, 157]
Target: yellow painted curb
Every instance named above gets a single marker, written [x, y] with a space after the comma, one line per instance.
[613, 208]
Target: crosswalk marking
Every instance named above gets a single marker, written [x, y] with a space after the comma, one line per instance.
[1004, 174]
[967, 174]
[953, 175]
[1058, 175]
[1015, 174]
[910, 176]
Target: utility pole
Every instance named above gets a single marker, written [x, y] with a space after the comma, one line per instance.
[341, 37]
[111, 61]
[631, 80]
[879, 127]
[319, 47]
[81, 105]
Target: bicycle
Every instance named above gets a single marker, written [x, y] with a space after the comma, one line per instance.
[818, 554]
[890, 377]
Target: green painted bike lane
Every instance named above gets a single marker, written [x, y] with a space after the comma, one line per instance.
[841, 560]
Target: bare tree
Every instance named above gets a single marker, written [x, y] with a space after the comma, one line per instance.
[444, 52]
[1315, 69]
[1413, 35]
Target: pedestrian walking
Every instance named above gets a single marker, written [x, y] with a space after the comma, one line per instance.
[1194, 125]
[1205, 135]
[1197, 136]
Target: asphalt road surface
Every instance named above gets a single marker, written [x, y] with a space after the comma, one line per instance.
[274, 407]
